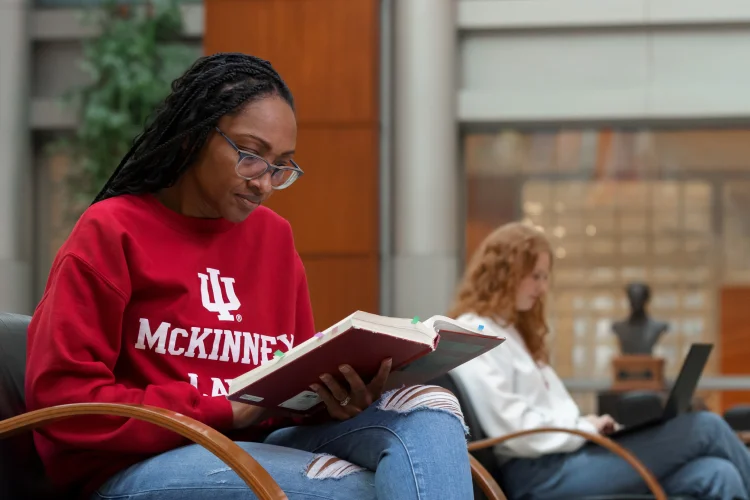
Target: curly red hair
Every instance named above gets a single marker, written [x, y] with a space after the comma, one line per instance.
[490, 282]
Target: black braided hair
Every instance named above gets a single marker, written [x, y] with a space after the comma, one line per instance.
[214, 86]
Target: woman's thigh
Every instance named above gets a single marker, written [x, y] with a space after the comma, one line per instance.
[192, 473]
[429, 425]
[593, 470]
[413, 437]
[588, 471]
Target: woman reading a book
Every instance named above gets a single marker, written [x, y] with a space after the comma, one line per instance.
[177, 280]
[513, 388]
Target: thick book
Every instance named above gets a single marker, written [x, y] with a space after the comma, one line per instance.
[421, 351]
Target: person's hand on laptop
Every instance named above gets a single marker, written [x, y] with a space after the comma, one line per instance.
[604, 424]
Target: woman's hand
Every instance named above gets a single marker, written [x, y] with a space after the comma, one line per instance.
[604, 424]
[342, 403]
[244, 415]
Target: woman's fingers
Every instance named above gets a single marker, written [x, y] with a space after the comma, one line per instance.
[361, 398]
[339, 395]
[335, 410]
[376, 385]
[338, 392]
[359, 395]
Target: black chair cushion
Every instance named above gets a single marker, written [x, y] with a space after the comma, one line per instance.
[12, 363]
[21, 471]
[738, 417]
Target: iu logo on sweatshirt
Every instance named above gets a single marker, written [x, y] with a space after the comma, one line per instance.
[218, 300]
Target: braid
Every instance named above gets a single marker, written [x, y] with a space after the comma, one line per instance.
[214, 86]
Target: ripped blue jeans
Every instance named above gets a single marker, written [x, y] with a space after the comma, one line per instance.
[410, 444]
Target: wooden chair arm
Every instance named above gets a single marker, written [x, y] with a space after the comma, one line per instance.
[484, 479]
[256, 477]
[648, 477]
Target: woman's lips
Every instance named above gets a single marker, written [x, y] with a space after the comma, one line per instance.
[249, 201]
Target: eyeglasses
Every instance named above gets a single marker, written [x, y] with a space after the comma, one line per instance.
[250, 166]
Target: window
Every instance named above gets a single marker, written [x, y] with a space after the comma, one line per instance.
[667, 207]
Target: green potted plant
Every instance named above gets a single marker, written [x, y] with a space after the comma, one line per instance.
[131, 66]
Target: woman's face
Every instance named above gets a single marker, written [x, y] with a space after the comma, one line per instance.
[533, 286]
[266, 128]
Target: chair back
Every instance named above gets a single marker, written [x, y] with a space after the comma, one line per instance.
[486, 457]
[738, 417]
[12, 363]
[21, 471]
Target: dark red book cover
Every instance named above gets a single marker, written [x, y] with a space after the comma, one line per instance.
[287, 387]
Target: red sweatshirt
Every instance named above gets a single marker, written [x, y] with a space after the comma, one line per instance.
[144, 305]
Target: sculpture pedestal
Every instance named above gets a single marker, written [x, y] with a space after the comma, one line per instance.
[638, 373]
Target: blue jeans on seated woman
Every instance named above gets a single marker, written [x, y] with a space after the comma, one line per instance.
[408, 445]
[694, 455]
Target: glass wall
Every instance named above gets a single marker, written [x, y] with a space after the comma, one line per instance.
[670, 208]
[93, 3]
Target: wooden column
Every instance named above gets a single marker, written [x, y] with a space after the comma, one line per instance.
[734, 340]
[327, 51]
[15, 172]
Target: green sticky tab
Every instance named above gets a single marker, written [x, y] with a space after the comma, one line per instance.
[278, 354]
[415, 320]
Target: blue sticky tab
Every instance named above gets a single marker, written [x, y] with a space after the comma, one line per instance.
[480, 327]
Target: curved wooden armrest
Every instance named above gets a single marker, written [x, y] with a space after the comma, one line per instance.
[602, 441]
[224, 448]
[484, 479]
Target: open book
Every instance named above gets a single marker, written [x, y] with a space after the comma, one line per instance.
[421, 351]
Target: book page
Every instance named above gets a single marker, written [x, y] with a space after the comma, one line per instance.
[444, 323]
[399, 327]
[453, 350]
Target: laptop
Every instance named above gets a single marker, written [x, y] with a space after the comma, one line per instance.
[681, 395]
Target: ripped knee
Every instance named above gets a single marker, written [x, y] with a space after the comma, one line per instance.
[408, 399]
[324, 466]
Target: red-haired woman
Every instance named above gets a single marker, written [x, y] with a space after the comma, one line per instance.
[513, 388]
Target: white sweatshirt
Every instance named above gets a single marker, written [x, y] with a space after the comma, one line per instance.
[510, 392]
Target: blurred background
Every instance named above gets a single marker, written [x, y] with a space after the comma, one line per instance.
[619, 127]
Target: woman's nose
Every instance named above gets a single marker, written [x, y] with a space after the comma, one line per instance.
[263, 183]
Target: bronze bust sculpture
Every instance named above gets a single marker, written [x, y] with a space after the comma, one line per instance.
[639, 333]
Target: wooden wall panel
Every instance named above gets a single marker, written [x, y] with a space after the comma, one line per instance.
[333, 208]
[734, 340]
[336, 285]
[327, 51]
